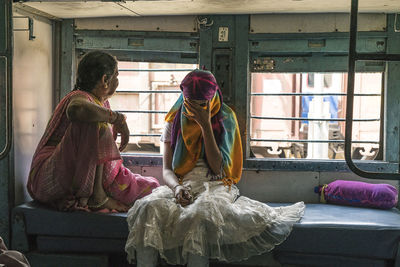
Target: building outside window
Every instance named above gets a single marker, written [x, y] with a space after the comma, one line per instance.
[302, 115]
[145, 94]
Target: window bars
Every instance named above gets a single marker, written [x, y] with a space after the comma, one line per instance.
[148, 92]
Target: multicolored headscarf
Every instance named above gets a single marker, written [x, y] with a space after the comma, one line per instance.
[186, 138]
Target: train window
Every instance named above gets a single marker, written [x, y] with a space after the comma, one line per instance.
[145, 93]
[151, 65]
[302, 115]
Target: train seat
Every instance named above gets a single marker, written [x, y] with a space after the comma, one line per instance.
[327, 235]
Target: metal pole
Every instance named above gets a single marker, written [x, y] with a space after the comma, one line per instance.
[350, 102]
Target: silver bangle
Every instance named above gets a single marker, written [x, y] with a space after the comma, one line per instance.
[174, 188]
[116, 118]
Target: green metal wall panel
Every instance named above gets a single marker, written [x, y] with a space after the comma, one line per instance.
[3, 29]
[67, 61]
[315, 64]
[317, 45]
[130, 45]
[139, 56]
[205, 49]
[220, 22]
[223, 53]
[392, 97]
[142, 34]
[223, 71]
[241, 77]
[137, 44]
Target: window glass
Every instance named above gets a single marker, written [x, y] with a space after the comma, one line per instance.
[302, 115]
[145, 93]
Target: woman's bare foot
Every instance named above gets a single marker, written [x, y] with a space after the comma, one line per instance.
[110, 204]
[99, 199]
[113, 204]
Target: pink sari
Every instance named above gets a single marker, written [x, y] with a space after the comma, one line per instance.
[65, 173]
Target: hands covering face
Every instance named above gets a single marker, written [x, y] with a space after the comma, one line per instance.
[198, 110]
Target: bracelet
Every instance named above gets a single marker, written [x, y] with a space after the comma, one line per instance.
[98, 205]
[174, 188]
[111, 114]
[121, 118]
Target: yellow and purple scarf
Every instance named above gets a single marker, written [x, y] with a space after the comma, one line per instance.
[186, 138]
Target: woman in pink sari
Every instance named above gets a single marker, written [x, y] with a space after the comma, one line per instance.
[77, 164]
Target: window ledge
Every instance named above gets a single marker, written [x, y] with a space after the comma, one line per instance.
[317, 165]
[279, 164]
[142, 159]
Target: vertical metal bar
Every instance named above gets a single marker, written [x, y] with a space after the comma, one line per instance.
[293, 98]
[56, 62]
[6, 166]
[5, 107]
[350, 86]
[67, 57]
[150, 97]
[205, 50]
[241, 80]
[392, 96]
[6, 95]
[30, 27]
[379, 155]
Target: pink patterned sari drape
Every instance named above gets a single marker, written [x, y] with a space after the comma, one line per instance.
[67, 170]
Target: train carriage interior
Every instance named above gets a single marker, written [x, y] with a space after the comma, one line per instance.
[315, 86]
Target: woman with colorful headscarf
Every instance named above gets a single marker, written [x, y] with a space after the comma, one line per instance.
[199, 214]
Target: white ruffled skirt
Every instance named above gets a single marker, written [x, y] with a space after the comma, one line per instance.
[219, 224]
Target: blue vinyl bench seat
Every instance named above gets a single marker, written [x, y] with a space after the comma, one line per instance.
[327, 235]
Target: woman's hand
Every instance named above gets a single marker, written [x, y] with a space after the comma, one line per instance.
[121, 127]
[198, 112]
[182, 195]
[202, 115]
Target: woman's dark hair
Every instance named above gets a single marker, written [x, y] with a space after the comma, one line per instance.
[92, 67]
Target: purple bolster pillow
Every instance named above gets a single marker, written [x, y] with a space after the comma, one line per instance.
[352, 193]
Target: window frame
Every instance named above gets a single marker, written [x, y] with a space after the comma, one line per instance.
[330, 47]
[164, 47]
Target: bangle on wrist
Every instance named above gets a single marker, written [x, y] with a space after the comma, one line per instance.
[111, 120]
[174, 188]
[120, 118]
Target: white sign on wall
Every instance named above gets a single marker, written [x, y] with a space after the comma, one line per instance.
[223, 34]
